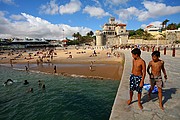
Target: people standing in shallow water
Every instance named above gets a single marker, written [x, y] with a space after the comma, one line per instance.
[26, 68]
[26, 82]
[43, 86]
[156, 66]
[137, 76]
[39, 83]
[55, 69]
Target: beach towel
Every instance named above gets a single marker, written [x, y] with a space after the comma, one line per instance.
[147, 87]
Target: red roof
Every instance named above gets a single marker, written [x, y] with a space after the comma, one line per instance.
[64, 40]
[149, 26]
[121, 24]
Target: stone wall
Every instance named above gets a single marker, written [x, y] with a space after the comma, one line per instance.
[148, 42]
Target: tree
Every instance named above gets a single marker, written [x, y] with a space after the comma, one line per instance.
[164, 23]
[132, 33]
[90, 33]
[139, 32]
[78, 35]
[74, 35]
[172, 26]
[146, 35]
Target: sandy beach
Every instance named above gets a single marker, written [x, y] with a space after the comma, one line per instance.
[99, 64]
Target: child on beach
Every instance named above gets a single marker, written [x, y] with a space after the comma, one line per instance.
[26, 68]
[156, 66]
[55, 69]
[137, 76]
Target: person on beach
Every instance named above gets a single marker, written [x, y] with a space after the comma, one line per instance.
[156, 66]
[11, 62]
[55, 69]
[137, 76]
[90, 68]
[28, 64]
[26, 68]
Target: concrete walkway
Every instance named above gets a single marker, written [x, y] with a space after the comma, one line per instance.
[151, 110]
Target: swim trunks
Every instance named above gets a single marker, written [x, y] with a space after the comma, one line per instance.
[157, 81]
[134, 83]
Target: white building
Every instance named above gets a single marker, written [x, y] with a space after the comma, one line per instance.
[113, 34]
[153, 30]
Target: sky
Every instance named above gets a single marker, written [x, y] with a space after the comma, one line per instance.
[58, 19]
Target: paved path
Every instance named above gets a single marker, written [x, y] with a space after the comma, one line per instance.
[151, 110]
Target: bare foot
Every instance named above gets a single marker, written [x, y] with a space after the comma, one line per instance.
[129, 102]
[161, 106]
[140, 106]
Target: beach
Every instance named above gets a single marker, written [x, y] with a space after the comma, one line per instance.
[90, 63]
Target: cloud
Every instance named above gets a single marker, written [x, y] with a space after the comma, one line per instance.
[7, 1]
[35, 27]
[70, 8]
[152, 10]
[95, 11]
[50, 8]
[157, 24]
[128, 13]
[97, 2]
[159, 9]
[116, 2]
[17, 17]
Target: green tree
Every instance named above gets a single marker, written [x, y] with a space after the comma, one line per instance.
[91, 33]
[132, 33]
[178, 25]
[74, 35]
[172, 26]
[146, 35]
[164, 23]
[139, 32]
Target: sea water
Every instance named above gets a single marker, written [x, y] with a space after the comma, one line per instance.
[64, 98]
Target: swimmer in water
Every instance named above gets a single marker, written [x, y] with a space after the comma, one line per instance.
[8, 82]
[43, 86]
[26, 82]
[30, 90]
[39, 83]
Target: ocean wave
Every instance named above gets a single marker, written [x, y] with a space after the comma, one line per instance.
[18, 69]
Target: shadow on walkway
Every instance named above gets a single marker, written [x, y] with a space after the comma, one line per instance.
[167, 94]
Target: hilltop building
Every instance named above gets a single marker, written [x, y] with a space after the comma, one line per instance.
[113, 34]
[153, 30]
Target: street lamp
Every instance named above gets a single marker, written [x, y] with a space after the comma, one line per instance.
[63, 34]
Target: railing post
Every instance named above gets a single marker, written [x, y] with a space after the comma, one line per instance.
[173, 52]
[165, 51]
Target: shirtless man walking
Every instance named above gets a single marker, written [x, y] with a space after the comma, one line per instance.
[137, 76]
[156, 66]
